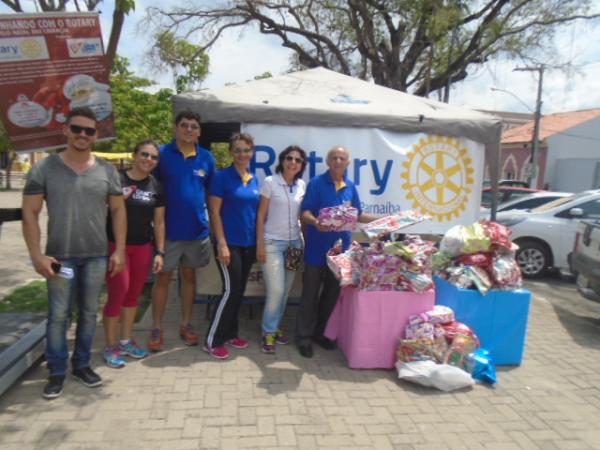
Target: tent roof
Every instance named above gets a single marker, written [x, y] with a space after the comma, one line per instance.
[325, 98]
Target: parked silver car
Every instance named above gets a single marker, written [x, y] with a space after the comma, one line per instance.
[526, 202]
[546, 235]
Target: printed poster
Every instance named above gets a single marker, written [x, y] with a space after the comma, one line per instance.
[49, 64]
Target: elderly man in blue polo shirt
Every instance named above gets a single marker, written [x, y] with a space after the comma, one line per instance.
[186, 171]
[320, 289]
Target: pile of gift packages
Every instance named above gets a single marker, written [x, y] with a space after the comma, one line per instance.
[438, 351]
[479, 256]
[381, 266]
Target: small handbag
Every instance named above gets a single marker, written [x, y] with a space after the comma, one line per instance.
[293, 255]
[293, 258]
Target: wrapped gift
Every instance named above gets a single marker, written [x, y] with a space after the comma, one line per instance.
[395, 222]
[339, 218]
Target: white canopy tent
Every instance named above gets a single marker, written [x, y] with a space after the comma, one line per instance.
[323, 98]
[317, 108]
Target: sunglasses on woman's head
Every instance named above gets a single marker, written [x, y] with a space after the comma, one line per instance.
[292, 158]
[147, 155]
[76, 129]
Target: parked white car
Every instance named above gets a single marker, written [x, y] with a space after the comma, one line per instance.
[527, 202]
[546, 235]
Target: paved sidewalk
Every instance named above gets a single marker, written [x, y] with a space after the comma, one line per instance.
[181, 398]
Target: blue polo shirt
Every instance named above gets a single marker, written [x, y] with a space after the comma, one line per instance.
[240, 204]
[321, 193]
[186, 182]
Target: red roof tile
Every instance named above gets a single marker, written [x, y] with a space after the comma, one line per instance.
[549, 125]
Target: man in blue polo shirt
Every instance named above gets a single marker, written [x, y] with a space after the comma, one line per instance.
[320, 289]
[186, 171]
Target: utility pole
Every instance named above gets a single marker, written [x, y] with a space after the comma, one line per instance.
[535, 152]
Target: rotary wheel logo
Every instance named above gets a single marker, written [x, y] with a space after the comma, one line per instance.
[438, 177]
[30, 48]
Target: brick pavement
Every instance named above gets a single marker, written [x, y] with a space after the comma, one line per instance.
[181, 398]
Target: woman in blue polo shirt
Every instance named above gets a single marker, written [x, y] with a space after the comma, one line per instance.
[233, 204]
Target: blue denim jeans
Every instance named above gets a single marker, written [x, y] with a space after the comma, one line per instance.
[278, 282]
[84, 291]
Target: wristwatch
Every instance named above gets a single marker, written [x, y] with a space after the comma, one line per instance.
[160, 253]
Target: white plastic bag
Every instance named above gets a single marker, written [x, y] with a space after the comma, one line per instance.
[427, 373]
[418, 372]
[449, 378]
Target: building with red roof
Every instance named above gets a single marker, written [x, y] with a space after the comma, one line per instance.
[569, 158]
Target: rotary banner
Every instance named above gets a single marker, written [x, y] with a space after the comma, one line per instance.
[49, 64]
[437, 175]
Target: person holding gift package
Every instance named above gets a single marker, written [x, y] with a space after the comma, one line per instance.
[145, 203]
[320, 288]
[233, 204]
[279, 242]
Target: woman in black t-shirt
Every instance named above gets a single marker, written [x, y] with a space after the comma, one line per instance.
[145, 204]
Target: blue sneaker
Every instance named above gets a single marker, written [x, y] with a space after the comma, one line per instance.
[133, 350]
[112, 356]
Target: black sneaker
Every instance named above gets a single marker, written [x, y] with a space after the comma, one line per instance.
[53, 387]
[87, 376]
[306, 350]
[324, 342]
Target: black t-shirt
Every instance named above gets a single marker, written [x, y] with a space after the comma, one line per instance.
[141, 197]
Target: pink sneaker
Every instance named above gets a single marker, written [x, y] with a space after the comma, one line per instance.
[237, 342]
[217, 352]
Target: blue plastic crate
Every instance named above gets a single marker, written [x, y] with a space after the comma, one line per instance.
[499, 318]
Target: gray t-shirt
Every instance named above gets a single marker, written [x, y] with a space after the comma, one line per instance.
[77, 205]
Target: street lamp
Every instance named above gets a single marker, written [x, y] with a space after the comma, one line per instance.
[497, 89]
[535, 153]
[535, 138]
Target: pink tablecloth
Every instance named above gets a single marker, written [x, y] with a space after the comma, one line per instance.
[367, 324]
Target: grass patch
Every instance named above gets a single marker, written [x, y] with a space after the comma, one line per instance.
[32, 297]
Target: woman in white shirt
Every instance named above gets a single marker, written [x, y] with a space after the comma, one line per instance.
[277, 228]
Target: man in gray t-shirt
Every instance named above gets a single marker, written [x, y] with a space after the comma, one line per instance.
[77, 188]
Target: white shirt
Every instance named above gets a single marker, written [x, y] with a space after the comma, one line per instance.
[283, 214]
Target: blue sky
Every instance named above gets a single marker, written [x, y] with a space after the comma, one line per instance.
[241, 56]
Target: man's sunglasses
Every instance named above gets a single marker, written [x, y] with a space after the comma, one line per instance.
[76, 129]
[147, 155]
[292, 158]
[239, 151]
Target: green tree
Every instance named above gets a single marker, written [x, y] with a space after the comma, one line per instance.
[264, 75]
[221, 152]
[417, 46]
[139, 114]
[187, 62]
[122, 8]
